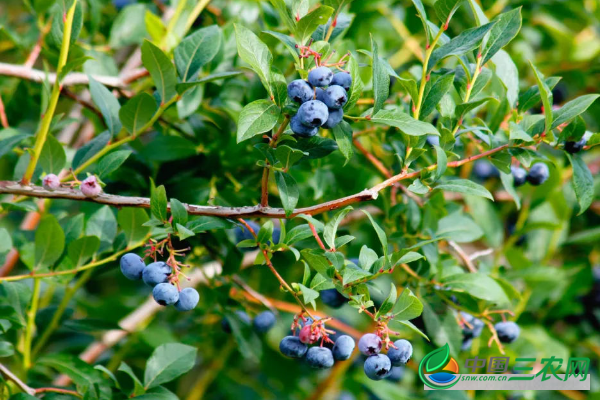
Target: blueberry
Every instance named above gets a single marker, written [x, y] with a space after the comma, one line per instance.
[188, 299]
[342, 79]
[300, 129]
[132, 266]
[401, 354]
[476, 325]
[291, 346]
[433, 140]
[313, 113]
[343, 348]
[596, 275]
[346, 396]
[155, 273]
[378, 367]
[320, 94]
[485, 170]
[575, 147]
[51, 182]
[508, 331]
[276, 235]
[308, 321]
[242, 233]
[335, 97]
[370, 344]
[264, 321]
[333, 298]
[319, 357]
[90, 187]
[300, 91]
[519, 176]
[396, 374]
[165, 294]
[335, 117]
[538, 174]
[320, 77]
[466, 344]
[241, 315]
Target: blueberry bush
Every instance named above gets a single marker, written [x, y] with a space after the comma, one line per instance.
[293, 199]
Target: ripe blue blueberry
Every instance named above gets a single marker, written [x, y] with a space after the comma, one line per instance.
[300, 91]
[333, 298]
[239, 315]
[264, 321]
[132, 266]
[401, 354]
[242, 233]
[313, 113]
[507, 331]
[319, 357]
[320, 77]
[346, 396]
[476, 325]
[519, 176]
[466, 344]
[370, 344]
[300, 129]
[433, 140]
[538, 174]
[335, 117]
[320, 94]
[291, 346]
[188, 299]
[485, 170]
[378, 367]
[396, 374]
[575, 147]
[343, 348]
[335, 97]
[276, 235]
[165, 294]
[342, 79]
[155, 273]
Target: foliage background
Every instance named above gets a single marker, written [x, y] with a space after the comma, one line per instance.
[199, 161]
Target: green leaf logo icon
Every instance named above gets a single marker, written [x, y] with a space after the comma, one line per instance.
[437, 359]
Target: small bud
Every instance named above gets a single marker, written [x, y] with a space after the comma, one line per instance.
[51, 182]
[90, 187]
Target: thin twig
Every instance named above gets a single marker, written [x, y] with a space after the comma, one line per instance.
[3, 118]
[463, 256]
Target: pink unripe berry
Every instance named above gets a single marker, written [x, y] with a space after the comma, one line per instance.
[305, 334]
[90, 187]
[51, 182]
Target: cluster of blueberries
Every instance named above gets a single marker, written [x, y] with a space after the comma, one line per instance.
[537, 175]
[90, 187]
[507, 331]
[262, 323]
[379, 366]
[321, 100]
[156, 275]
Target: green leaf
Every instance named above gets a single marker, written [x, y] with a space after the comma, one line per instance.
[155, 26]
[255, 53]
[5, 241]
[423, 16]
[196, 50]
[517, 133]
[508, 73]
[418, 187]
[508, 183]
[288, 156]
[168, 148]
[111, 162]
[82, 249]
[203, 224]
[388, 303]
[357, 84]
[468, 40]
[380, 233]
[158, 203]
[138, 388]
[464, 108]
[583, 182]
[408, 258]
[108, 104]
[443, 331]
[434, 91]
[92, 147]
[9, 143]
[477, 285]
[131, 221]
[103, 224]
[381, 80]
[459, 228]
[265, 234]
[408, 306]
[318, 262]
[129, 27]
[184, 232]
[183, 87]
[404, 122]
[442, 162]
[546, 95]
[137, 112]
[352, 274]
[168, 362]
[308, 295]
[7, 350]
[179, 212]
[331, 228]
[465, 186]
[506, 28]
[161, 70]
[288, 191]
[572, 109]
[257, 117]
[343, 137]
[52, 158]
[531, 97]
[49, 242]
[311, 21]
[445, 9]
[71, 66]
[284, 14]
[287, 41]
